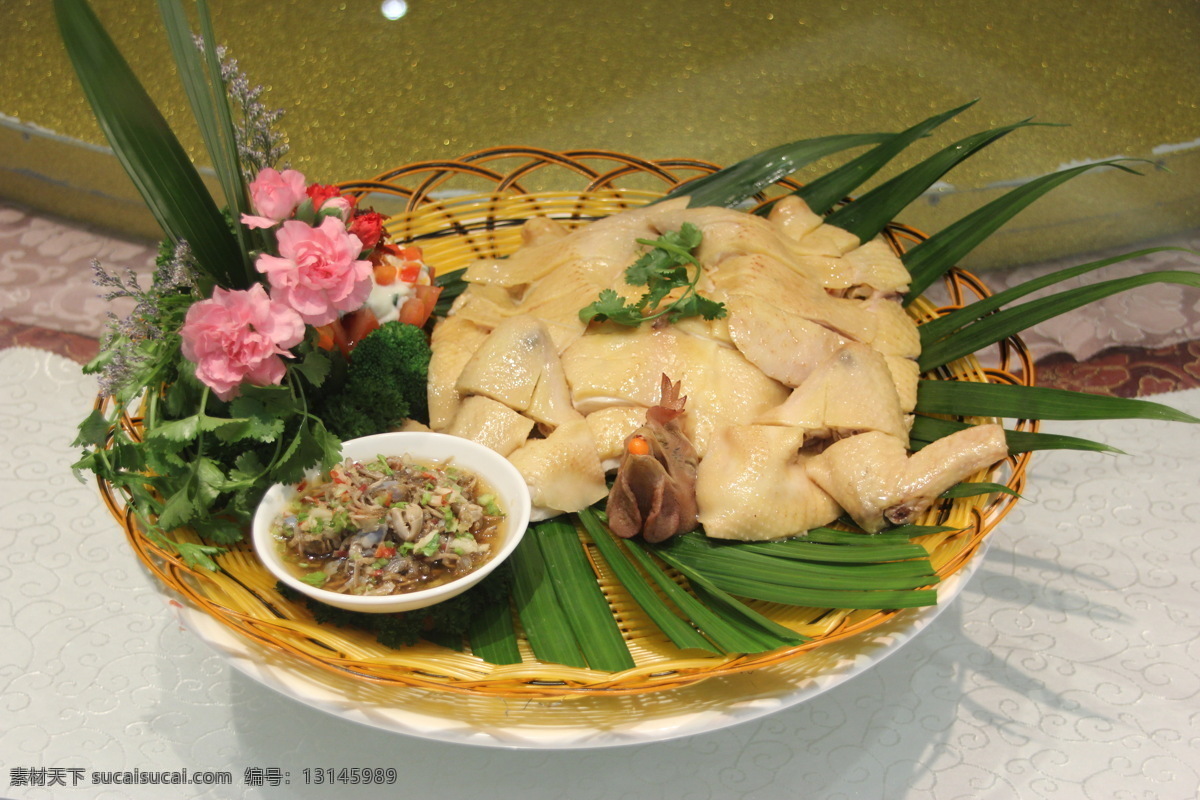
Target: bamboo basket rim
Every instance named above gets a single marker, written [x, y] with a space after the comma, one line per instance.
[459, 225]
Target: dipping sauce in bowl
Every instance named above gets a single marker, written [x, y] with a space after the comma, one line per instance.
[404, 521]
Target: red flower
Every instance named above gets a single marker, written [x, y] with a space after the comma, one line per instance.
[368, 227]
[320, 193]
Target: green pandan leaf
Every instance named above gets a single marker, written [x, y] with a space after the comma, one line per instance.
[933, 257]
[871, 213]
[147, 148]
[201, 78]
[962, 398]
[730, 186]
[1010, 321]
[926, 430]
[943, 326]
[681, 634]
[976, 489]
[822, 193]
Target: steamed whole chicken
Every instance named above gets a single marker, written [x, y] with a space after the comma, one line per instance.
[798, 397]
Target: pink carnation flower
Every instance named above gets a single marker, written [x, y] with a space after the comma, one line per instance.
[239, 336]
[274, 196]
[317, 271]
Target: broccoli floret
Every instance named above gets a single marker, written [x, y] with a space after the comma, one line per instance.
[392, 362]
[346, 420]
[385, 383]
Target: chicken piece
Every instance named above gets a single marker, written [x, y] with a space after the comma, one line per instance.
[942, 464]
[733, 392]
[826, 240]
[563, 470]
[877, 321]
[728, 233]
[610, 428]
[518, 366]
[541, 230]
[850, 393]
[610, 243]
[876, 265]
[905, 374]
[486, 306]
[796, 296]
[785, 347]
[507, 365]
[454, 341]
[864, 474]
[895, 331]
[793, 216]
[616, 366]
[654, 493]
[752, 486]
[872, 477]
[491, 424]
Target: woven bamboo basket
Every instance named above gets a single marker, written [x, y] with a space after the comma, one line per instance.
[471, 208]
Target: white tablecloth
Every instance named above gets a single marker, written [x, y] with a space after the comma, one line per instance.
[1068, 668]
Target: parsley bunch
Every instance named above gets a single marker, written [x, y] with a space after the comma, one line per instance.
[661, 270]
[199, 462]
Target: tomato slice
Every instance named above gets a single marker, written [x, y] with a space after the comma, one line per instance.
[419, 308]
[429, 296]
[358, 324]
[413, 312]
[325, 337]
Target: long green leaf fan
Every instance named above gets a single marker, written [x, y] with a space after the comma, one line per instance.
[932, 258]
[200, 74]
[147, 148]
[1010, 321]
[831, 188]
[970, 399]
[875, 210]
[732, 186]
[945, 325]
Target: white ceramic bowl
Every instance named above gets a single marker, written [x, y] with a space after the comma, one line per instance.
[489, 465]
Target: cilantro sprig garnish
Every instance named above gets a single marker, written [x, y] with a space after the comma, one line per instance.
[661, 270]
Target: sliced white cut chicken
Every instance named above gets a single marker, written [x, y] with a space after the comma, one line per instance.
[784, 346]
[796, 295]
[495, 425]
[850, 393]
[940, 465]
[563, 470]
[734, 393]
[905, 374]
[615, 366]
[794, 217]
[518, 365]
[826, 240]
[610, 427]
[486, 306]
[507, 365]
[875, 264]
[728, 233]
[864, 474]
[872, 477]
[752, 486]
[454, 341]
[551, 401]
[895, 331]
[618, 366]
[611, 242]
